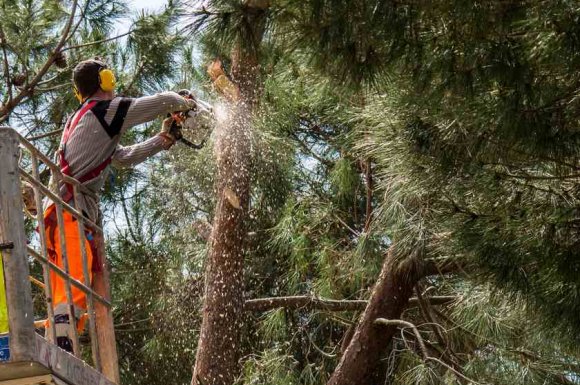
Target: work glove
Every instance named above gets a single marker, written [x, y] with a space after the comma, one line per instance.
[168, 134]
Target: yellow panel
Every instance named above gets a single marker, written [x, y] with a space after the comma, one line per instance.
[3, 308]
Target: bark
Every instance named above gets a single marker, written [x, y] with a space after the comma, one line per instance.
[388, 300]
[218, 354]
[218, 350]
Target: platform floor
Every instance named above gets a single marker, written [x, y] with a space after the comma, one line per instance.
[51, 365]
[37, 380]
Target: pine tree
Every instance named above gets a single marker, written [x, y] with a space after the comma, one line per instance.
[457, 78]
[381, 139]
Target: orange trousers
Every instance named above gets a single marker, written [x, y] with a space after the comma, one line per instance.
[73, 255]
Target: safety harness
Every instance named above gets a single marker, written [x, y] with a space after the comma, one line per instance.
[99, 109]
[64, 165]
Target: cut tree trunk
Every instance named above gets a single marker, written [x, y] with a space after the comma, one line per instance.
[389, 298]
[218, 350]
[218, 354]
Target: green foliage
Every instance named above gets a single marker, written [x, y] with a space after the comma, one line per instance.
[468, 114]
[154, 48]
[270, 368]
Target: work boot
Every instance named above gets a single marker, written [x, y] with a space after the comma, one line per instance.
[65, 344]
[62, 326]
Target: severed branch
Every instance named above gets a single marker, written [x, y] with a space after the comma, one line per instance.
[304, 302]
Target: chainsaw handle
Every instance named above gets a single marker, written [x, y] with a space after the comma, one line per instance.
[175, 128]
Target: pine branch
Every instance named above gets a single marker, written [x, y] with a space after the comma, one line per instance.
[6, 109]
[6, 66]
[311, 152]
[425, 354]
[409, 325]
[305, 302]
[98, 41]
[42, 136]
[369, 188]
[446, 266]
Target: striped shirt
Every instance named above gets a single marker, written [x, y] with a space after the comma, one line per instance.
[97, 136]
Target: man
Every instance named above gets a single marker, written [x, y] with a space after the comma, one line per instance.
[89, 144]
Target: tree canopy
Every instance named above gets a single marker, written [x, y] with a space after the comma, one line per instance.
[430, 144]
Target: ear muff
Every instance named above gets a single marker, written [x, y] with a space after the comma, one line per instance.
[77, 94]
[107, 80]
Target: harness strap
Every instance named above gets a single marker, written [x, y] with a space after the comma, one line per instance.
[72, 124]
[64, 165]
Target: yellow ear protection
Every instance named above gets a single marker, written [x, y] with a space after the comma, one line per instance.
[107, 82]
[77, 93]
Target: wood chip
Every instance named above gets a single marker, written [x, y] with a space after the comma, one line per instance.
[232, 198]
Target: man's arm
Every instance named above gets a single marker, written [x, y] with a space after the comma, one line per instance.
[146, 108]
[130, 156]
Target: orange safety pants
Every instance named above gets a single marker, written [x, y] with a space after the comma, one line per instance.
[73, 255]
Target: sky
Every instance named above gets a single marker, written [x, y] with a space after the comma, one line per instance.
[149, 5]
[135, 7]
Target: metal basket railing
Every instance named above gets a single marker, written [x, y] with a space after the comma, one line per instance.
[21, 161]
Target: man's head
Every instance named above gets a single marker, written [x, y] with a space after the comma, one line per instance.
[91, 77]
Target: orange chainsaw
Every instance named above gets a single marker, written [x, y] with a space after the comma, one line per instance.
[194, 126]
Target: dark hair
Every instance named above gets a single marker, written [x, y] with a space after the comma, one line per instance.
[86, 76]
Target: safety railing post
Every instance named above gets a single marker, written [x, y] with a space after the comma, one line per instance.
[18, 291]
[104, 316]
[44, 252]
[87, 281]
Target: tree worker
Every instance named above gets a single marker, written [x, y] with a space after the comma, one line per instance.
[89, 144]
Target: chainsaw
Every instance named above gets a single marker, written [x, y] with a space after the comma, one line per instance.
[193, 127]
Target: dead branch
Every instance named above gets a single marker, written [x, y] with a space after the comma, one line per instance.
[203, 228]
[408, 325]
[426, 311]
[426, 357]
[305, 302]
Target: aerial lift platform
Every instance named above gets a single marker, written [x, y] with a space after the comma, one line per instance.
[28, 355]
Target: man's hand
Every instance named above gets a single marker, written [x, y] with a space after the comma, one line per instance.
[166, 133]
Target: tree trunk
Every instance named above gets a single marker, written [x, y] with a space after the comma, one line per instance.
[218, 354]
[218, 350]
[389, 298]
